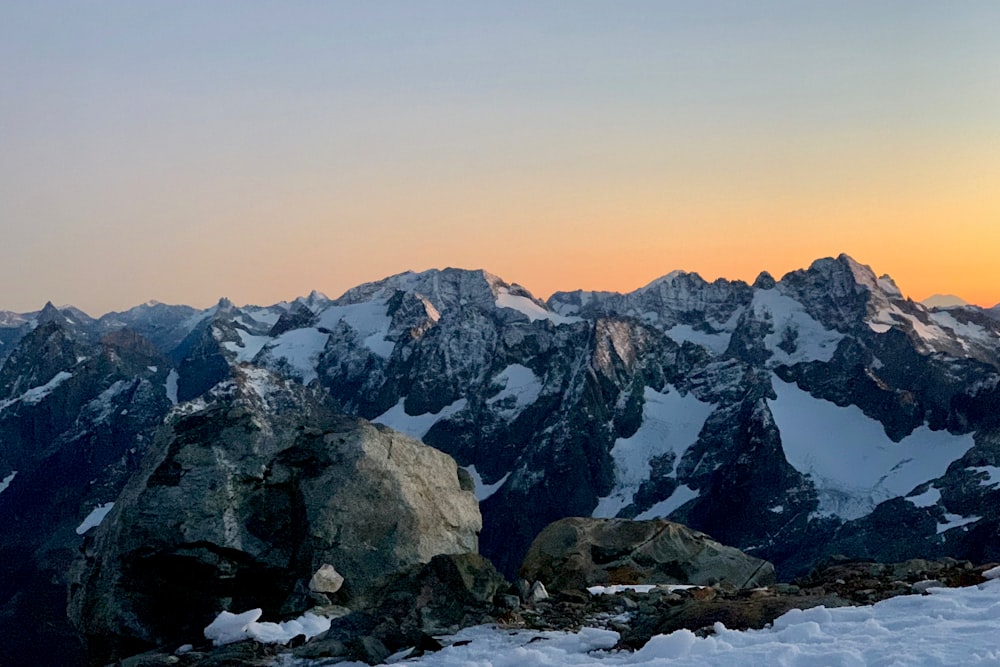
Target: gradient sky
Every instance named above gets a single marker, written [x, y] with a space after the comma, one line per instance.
[182, 151]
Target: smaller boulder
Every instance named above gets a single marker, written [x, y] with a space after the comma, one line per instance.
[326, 580]
[575, 553]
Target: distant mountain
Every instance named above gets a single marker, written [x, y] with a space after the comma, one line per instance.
[944, 301]
[797, 418]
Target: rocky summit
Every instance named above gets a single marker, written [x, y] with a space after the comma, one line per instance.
[796, 418]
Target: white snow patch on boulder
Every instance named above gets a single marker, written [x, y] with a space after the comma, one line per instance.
[853, 463]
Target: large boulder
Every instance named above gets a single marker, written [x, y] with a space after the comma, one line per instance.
[577, 552]
[244, 497]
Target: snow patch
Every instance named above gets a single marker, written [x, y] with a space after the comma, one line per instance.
[228, 628]
[955, 521]
[248, 347]
[664, 508]
[853, 463]
[368, 318]
[670, 423]
[534, 311]
[95, 518]
[36, 394]
[948, 627]
[992, 474]
[5, 482]
[928, 498]
[716, 343]
[793, 329]
[417, 426]
[520, 383]
[300, 349]
[171, 386]
[484, 491]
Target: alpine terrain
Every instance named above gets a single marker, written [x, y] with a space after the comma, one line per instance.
[823, 413]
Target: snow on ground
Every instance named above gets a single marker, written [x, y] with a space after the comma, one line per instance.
[534, 311]
[484, 491]
[951, 626]
[664, 508]
[368, 318]
[95, 518]
[716, 343]
[171, 387]
[615, 589]
[926, 499]
[300, 349]
[228, 628]
[670, 423]
[956, 521]
[519, 382]
[851, 460]
[416, 426]
[992, 473]
[36, 394]
[5, 482]
[963, 329]
[248, 347]
[812, 341]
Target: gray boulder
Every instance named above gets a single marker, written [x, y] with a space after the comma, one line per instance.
[578, 552]
[244, 497]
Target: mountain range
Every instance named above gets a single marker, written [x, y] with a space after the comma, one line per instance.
[823, 413]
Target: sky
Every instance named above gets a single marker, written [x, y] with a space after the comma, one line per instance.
[182, 151]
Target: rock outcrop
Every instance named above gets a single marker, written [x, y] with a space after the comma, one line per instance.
[577, 552]
[244, 497]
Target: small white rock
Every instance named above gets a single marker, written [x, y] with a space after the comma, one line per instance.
[538, 592]
[326, 580]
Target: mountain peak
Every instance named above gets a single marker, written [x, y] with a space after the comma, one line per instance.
[49, 313]
[944, 301]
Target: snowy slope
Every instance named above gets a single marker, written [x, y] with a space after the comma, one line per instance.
[849, 457]
[947, 628]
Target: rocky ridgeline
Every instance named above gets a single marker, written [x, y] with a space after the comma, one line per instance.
[725, 406]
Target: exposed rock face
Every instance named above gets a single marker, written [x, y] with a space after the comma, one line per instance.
[244, 497]
[577, 552]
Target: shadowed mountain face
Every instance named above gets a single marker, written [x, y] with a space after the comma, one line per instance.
[820, 413]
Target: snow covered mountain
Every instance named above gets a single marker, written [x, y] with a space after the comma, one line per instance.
[820, 413]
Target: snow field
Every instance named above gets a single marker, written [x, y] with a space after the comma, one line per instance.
[670, 423]
[948, 628]
[852, 461]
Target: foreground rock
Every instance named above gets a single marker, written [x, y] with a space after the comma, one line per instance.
[577, 552]
[440, 597]
[244, 499]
